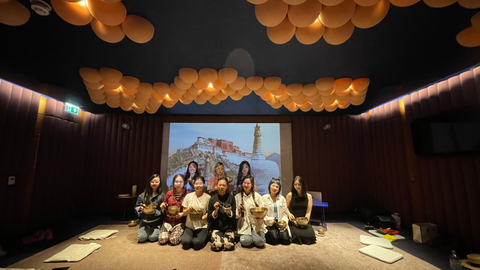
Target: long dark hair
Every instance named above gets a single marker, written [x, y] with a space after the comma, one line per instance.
[148, 192]
[187, 173]
[304, 187]
[240, 174]
[275, 181]
[252, 180]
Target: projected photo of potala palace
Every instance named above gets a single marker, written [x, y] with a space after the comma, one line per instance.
[229, 143]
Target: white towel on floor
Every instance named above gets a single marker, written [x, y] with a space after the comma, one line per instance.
[97, 234]
[74, 253]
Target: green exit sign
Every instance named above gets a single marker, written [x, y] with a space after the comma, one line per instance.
[72, 109]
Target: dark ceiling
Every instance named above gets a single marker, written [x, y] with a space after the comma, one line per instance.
[412, 47]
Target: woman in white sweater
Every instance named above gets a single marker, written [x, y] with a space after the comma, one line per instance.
[252, 231]
[277, 211]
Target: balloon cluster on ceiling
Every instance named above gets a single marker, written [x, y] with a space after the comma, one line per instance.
[110, 86]
[335, 20]
[108, 18]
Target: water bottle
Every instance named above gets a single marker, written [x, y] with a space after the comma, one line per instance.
[398, 222]
[455, 263]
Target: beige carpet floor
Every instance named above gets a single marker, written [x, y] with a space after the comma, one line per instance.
[338, 249]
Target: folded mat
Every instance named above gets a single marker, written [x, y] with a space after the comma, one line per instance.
[74, 253]
[382, 254]
[397, 236]
[372, 240]
[97, 234]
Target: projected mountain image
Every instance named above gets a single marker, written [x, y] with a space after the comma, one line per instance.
[259, 144]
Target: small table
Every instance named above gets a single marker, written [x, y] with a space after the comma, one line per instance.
[125, 202]
[322, 218]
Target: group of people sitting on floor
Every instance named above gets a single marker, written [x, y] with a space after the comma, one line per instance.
[187, 214]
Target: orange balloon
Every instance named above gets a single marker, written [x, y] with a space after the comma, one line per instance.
[145, 89]
[111, 85]
[310, 34]
[73, 13]
[194, 91]
[262, 91]
[475, 20]
[95, 86]
[271, 13]
[337, 36]
[281, 33]
[304, 14]
[357, 95]
[267, 96]
[300, 98]
[342, 84]
[338, 15]
[318, 108]
[188, 75]
[294, 2]
[471, 4]
[205, 95]
[179, 92]
[312, 98]
[254, 82]
[245, 91]
[13, 13]
[257, 2]
[185, 101]
[227, 75]
[403, 3]
[110, 34]
[189, 96]
[366, 17]
[129, 92]
[221, 95]
[310, 90]
[108, 13]
[181, 84]
[280, 90]
[208, 75]
[229, 90]
[200, 100]
[161, 88]
[330, 2]
[127, 97]
[294, 89]
[287, 101]
[138, 29]
[327, 93]
[200, 84]
[90, 75]
[214, 100]
[325, 84]
[277, 105]
[469, 37]
[110, 75]
[236, 96]
[366, 3]
[283, 96]
[130, 82]
[272, 83]
[211, 91]
[342, 93]
[238, 84]
[439, 3]
[360, 84]
[219, 84]
[305, 107]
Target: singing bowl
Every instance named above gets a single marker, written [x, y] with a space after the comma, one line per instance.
[301, 221]
[474, 258]
[197, 215]
[259, 212]
[282, 224]
[149, 209]
[173, 210]
[227, 207]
